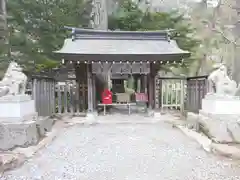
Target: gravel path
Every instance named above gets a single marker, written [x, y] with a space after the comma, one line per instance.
[125, 152]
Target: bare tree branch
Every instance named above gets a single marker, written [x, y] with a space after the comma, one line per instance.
[220, 32]
[225, 37]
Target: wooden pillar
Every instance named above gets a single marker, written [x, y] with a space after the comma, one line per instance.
[77, 90]
[94, 91]
[135, 77]
[145, 84]
[150, 91]
[151, 79]
[157, 92]
[153, 90]
[90, 87]
[142, 83]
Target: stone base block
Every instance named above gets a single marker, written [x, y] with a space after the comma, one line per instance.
[44, 125]
[141, 108]
[227, 106]
[29, 117]
[21, 134]
[221, 129]
[221, 117]
[16, 108]
[157, 115]
[150, 112]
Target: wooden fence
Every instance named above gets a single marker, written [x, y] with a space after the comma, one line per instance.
[70, 98]
[196, 90]
[183, 94]
[42, 91]
[171, 93]
[51, 97]
[179, 93]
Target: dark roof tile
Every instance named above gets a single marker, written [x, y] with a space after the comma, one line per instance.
[127, 43]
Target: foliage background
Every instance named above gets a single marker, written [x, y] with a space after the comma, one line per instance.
[35, 29]
[130, 17]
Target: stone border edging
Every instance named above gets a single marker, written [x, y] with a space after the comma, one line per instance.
[18, 156]
[226, 150]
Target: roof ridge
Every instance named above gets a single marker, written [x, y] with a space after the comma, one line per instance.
[84, 30]
[106, 34]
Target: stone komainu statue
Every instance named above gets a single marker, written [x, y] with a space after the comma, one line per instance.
[220, 84]
[14, 81]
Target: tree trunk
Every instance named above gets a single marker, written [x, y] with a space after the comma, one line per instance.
[3, 22]
[236, 63]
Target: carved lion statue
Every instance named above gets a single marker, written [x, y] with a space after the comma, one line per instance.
[220, 84]
[14, 81]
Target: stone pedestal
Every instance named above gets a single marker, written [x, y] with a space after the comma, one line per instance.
[221, 105]
[18, 134]
[220, 118]
[91, 116]
[17, 108]
[19, 122]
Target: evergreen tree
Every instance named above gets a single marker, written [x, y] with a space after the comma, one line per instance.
[36, 28]
[131, 17]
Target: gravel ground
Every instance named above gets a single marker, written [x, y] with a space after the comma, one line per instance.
[125, 152]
